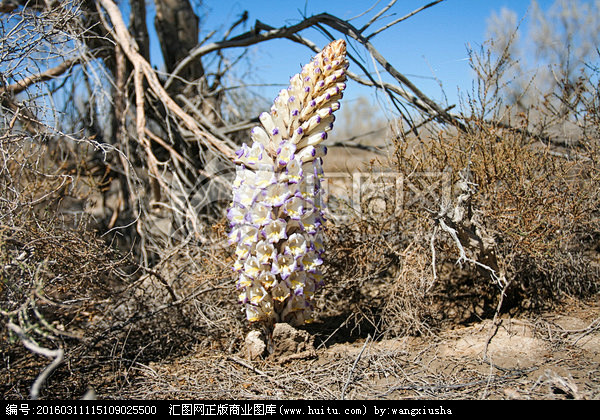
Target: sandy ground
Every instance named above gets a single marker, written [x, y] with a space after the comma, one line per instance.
[552, 356]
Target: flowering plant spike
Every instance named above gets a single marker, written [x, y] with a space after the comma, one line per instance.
[276, 216]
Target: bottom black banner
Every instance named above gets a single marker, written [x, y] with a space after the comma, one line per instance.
[269, 409]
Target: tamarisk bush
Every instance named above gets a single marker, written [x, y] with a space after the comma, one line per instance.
[277, 211]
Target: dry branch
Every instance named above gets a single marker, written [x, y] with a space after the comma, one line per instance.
[262, 32]
[49, 74]
[458, 220]
[127, 43]
[403, 18]
[56, 356]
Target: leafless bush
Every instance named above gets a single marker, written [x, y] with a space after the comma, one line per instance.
[516, 230]
[527, 223]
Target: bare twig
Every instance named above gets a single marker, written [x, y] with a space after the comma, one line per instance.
[49, 74]
[57, 356]
[258, 35]
[354, 367]
[497, 321]
[414, 12]
[377, 15]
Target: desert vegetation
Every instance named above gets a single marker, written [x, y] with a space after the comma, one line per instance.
[461, 248]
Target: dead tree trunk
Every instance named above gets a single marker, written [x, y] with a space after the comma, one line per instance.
[178, 27]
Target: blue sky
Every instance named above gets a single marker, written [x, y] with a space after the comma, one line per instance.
[429, 45]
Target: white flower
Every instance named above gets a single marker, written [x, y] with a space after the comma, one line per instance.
[248, 235]
[238, 266]
[298, 283]
[275, 231]
[253, 313]
[296, 245]
[310, 153]
[294, 207]
[256, 293]
[277, 212]
[276, 194]
[243, 281]
[243, 251]
[308, 185]
[260, 215]
[317, 243]
[252, 267]
[285, 152]
[265, 252]
[308, 287]
[255, 155]
[265, 177]
[267, 279]
[284, 265]
[259, 135]
[241, 153]
[310, 222]
[280, 291]
[240, 176]
[310, 261]
[234, 235]
[236, 215]
[293, 171]
[245, 195]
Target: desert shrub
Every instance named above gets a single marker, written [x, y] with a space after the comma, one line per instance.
[70, 296]
[533, 215]
[528, 206]
[500, 213]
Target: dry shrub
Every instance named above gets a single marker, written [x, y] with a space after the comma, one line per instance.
[522, 201]
[357, 266]
[401, 273]
[68, 290]
[408, 304]
[532, 197]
